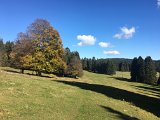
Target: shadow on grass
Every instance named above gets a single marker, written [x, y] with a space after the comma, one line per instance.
[14, 71]
[122, 79]
[147, 103]
[119, 114]
[11, 71]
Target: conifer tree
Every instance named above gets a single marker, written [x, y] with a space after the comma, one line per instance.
[67, 55]
[150, 72]
[140, 69]
[110, 69]
[84, 63]
[124, 66]
[89, 65]
[134, 70]
[94, 64]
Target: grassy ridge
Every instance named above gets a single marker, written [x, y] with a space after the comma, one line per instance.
[94, 96]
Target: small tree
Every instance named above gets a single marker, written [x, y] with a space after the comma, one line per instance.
[74, 67]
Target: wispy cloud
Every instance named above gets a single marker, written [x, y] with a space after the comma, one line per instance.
[114, 52]
[86, 40]
[104, 44]
[125, 33]
[158, 3]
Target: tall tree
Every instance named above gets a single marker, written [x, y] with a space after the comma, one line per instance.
[89, 64]
[134, 70]
[140, 69]
[67, 55]
[48, 48]
[150, 72]
[110, 69]
[124, 66]
[94, 64]
[84, 64]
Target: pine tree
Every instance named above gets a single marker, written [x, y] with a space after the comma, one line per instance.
[140, 69]
[67, 55]
[93, 64]
[89, 65]
[122, 67]
[150, 73]
[84, 63]
[110, 69]
[134, 70]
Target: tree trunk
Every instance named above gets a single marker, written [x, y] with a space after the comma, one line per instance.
[22, 71]
[39, 73]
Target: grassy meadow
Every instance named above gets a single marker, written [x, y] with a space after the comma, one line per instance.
[92, 97]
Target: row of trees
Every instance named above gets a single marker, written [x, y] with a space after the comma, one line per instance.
[106, 66]
[40, 49]
[143, 70]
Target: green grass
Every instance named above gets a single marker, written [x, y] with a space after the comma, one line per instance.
[93, 97]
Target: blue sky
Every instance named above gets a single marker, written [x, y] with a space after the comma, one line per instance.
[100, 28]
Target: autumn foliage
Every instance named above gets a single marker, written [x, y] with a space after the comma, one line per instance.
[40, 49]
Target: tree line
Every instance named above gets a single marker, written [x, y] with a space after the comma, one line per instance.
[144, 71]
[106, 66]
[40, 49]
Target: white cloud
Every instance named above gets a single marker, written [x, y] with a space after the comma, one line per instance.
[114, 52]
[104, 44]
[158, 3]
[86, 40]
[125, 33]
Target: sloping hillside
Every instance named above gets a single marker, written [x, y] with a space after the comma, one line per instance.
[93, 97]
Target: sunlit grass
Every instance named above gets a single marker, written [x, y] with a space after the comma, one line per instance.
[29, 97]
